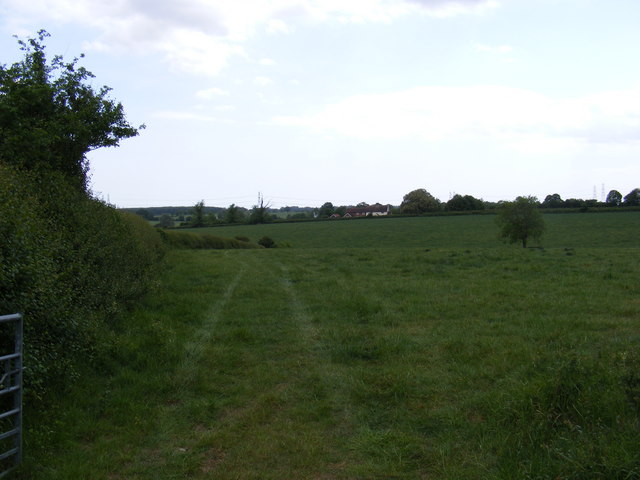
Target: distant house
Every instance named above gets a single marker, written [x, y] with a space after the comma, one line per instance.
[335, 215]
[372, 210]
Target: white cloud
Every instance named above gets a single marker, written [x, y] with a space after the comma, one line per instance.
[500, 49]
[503, 52]
[517, 118]
[275, 26]
[225, 108]
[201, 36]
[188, 116]
[197, 53]
[262, 81]
[267, 62]
[211, 93]
[360, 11]
[449, 8]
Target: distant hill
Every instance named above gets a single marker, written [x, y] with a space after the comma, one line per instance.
[153, 213]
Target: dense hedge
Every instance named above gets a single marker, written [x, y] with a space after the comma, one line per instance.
[70, 264]
[176, 239]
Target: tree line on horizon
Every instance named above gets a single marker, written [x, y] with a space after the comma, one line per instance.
[416, 202]
[421, 201]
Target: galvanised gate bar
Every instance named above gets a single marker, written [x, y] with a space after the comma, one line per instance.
[11, 331]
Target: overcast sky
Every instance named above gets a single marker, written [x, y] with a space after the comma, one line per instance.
[309, 101]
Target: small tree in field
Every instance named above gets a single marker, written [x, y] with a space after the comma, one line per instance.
[166, 221]
[197, 220]
[520, 220]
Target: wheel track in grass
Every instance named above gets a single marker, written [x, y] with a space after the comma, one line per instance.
[195, 348]
[307, 365]
[320, 363]
[174, 449]
[165, 452]
[167, 420]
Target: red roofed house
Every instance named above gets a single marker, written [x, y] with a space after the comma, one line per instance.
[372, 210]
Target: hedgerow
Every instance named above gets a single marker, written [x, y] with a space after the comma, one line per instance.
[175, 239]
[70, 264]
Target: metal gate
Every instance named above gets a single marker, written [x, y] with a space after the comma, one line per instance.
[10, 392]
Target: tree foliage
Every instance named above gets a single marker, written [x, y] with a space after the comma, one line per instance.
[51, 116]
[166, 221]
[520, 220]
[459, 203]
[197, 219]
[233, 214]
[144, 213]
[419, 201]
[259, 212]
[632, 199]
[553, 201]
[69, 262]
[614, 198]
[326, 210]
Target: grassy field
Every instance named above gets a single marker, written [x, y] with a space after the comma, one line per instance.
[465, 231]
[397, 348]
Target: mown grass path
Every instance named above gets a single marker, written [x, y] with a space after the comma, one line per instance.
[367, 363]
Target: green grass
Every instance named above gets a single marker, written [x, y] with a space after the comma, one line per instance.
[462, 231]
[430, 361]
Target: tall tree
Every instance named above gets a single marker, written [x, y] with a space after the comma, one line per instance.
[632, 199]
[614, 198]
[520, 220]
[326, 210]
[259, 213]
[553, 201]
[419, 201]
[51, 116]
[232, 214]
[197, 220]
[464, 203]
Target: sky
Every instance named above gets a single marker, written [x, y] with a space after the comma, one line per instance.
[348, 101]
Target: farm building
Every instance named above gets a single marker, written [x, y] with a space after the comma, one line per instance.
[371, 210]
